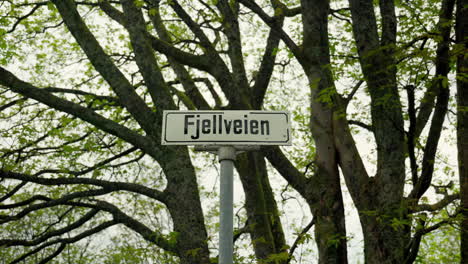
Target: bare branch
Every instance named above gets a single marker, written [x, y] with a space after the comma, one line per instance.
[448, 199]
[28, 90]
[18, 21]
[183, 75]
[361, 124]
[19, 242]
[111, 99]
[353, 92]
[108, 185]
[54, 254]
[12, 103]
[299, 238]
[289, 172]
[273, 23]
[148, 234]
[70, 240]
[104, 65]
[12, 192]
[50, 203]
[440, 82]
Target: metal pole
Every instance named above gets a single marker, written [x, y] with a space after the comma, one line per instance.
[227, 155]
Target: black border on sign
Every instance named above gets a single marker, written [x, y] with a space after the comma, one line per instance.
[225, 141]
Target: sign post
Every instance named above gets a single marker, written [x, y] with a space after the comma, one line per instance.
[226, 155]
[226, 133]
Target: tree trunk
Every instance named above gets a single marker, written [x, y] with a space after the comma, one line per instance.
[324, 191]
[384, 240]
[462, 124]
[325, 198]
[263, 218]
[330, 228]
[382, 215]
[183, 203]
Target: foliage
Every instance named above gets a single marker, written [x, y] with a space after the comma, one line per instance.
[83, 85]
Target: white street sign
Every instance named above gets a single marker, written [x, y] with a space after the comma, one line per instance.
[226, 128]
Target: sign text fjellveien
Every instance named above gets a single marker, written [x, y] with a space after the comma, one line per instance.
[218, 125]
[229, 127]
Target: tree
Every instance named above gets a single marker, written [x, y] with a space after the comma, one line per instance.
[380, 200]
[462, 121]
[61, 157]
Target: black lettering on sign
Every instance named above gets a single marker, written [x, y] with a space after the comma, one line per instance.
[206, 126]
[228, 125]
[246, 127]
[216, 124]
[220, 124]
[253, 127]
[265, 127]
[237, 126]
[197, 133]
[187, 123]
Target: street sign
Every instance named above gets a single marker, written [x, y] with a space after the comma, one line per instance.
[228, 132]
[226, 128]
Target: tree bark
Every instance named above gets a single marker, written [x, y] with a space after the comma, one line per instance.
[183, 203]
[383, 243]
[264, 223]
[183, 200]
[384, 214]
[461, 31]
[324, 191]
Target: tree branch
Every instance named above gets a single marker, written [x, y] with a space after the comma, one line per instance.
[19, 242]
[299, 238]
[263, 76]
[289, 172]
[104, 65]
[389, 24]
[411, 133]
[182, 74]
[108, 185]
[70, 240]
[89, 169]
[353, 92]
[229, 12]
[448, 199]
[119, 216]
[441, 81]
[273, 23]
[413, 247]
[217, 67]
[12, 103]
[361, 124]
[18, 21]
[54, 254]
[111, 99]
[201, 62]
[148, 234]
[195, 28]
[146, 61]
[12, 192]
[28, 90]
[442, 66]
[51, 203]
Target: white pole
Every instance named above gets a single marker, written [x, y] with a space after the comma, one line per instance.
[227, 155]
